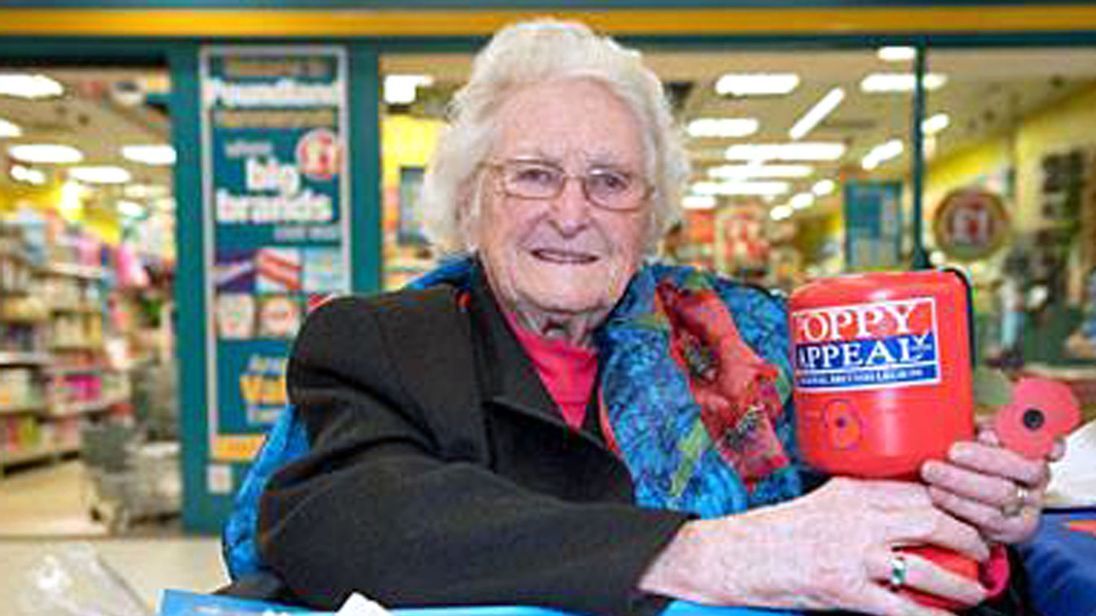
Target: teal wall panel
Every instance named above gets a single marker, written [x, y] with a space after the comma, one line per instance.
[201, 512]
[365, 168]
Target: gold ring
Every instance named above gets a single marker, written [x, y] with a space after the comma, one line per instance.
[898, 569]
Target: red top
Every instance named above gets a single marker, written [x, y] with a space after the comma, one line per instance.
[567, 371]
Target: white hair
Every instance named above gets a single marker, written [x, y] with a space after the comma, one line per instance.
[533, 52]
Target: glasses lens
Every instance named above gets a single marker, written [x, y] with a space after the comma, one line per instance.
[611, 188]
[532, 180]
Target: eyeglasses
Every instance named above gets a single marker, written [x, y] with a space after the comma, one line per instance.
[605, 187]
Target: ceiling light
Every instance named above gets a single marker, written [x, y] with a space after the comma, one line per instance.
[822, 188]
[9, 129]
[781, 212]
[756, 84]
[882, 153]
[29, 86]
[722, 127]
[103, 174]
[45, 153]
[900, 82]
[145, 191]
[741, 188]
[897, 53]
[165, 204]
[935, 123]
[739, 172]
[19, 173]
[803, 151]
[801, 200]
[71, 203]
[401, 89]
[817, 113]
[130, 209]
[698, 202]
[149, 154]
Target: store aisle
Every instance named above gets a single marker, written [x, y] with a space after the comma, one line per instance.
[148, 565]
[49, 500]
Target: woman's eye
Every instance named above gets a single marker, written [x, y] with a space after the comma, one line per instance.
[609, 181]
[535, 175]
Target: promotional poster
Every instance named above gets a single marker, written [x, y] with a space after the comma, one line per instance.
[276, 225]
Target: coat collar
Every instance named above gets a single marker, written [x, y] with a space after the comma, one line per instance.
[507, 375]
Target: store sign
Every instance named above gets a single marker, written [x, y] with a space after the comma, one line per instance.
[970, 224]
[873, 225]
[275, 193]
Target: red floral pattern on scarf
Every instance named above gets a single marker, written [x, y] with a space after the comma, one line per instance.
[735, 388]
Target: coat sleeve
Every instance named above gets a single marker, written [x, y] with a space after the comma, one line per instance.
[376, 508]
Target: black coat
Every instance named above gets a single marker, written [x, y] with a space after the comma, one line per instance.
[442, 473]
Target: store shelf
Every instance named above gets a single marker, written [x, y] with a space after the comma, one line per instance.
[12, 458]
[88, 346]
[89, 309]
[75, 271]
[86, 408]
[64, 370]
[24, 320]
[23, 409]
[20, 358]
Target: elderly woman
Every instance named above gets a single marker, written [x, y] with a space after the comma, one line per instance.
[547, 421]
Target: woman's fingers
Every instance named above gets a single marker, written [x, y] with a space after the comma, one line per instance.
[935, 527]
[926, 576]
[998, 461]
[993, 522]
[919, 574]
[990, 490]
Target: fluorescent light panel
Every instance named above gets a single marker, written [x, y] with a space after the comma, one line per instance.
[801, 200]
[756, 84]
[698, 202]
[722, 127]
[817, 113]
[935, 123]
[130, 209]
[741, 188]
[149, 154]
[24, 85]
[877, 83]
[822, 188]
[800, 151]
[45, 153]
[9, 129]
[882, 153]
[402, 89]
[27, 175]
[99, 174]
[739, 172]
[897, 53]
[781, 212]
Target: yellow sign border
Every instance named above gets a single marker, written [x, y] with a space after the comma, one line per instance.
[206, 23]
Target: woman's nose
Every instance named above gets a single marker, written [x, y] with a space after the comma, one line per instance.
[571, 208]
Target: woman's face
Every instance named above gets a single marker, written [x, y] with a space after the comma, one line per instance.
[561, 257]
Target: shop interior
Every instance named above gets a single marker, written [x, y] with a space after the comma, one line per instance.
[778, 140]
[88, 409]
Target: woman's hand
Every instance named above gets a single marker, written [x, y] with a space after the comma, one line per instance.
[995, 489]
[831, 549]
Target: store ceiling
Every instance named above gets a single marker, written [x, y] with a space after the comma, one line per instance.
[985, 93]
[101, 110]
